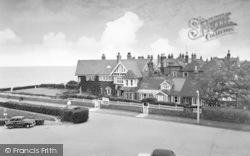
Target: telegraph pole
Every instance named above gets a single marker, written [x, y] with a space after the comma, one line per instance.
[198, 107]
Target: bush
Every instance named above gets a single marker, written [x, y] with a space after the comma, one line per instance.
[150, 100]
[76, 115]
[2, 122]
[72, 85]
[225, 114]
[39, 122]
[32, 108]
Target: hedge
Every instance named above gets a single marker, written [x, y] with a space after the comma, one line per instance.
[66, 96]
[57, 86]
[5, 89]
[75, 115]
[32, 94]
[32, 108]
[187, 114]
[24, 87]
[225, 114]
[111, 98]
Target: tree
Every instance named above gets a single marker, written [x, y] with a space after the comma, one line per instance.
[231, 79]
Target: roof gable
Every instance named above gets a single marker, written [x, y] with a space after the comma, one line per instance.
[191, 67]
[130, 75]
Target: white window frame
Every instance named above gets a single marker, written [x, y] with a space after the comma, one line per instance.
[176, 99]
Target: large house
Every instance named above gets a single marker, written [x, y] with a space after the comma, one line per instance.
[168, 80]
[177, 90]
[118, 77]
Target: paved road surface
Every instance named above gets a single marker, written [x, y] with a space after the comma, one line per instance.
[114, 135]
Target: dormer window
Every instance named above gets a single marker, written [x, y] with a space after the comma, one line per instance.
[165, 85]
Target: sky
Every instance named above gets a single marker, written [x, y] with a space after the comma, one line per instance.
[60, 32]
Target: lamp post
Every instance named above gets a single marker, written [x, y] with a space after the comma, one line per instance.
[198, 107]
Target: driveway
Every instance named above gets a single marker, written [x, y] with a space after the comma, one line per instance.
[106, 134]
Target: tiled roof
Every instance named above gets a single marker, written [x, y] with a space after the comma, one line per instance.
[94, 67]
[213, 64]
[151, 83]
[133, 65]
[181, 86]
[174, 62]
[130, 75]
[104, 67]
[190, 87]
[191, 66]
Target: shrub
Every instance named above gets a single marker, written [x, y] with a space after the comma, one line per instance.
[150, 100]
[39, 122]
[72, 85]
[225, 114]
[66, 96]
[76, 115]
[2, 122]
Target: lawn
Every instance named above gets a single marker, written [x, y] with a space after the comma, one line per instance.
[29, 115]
[45, 91]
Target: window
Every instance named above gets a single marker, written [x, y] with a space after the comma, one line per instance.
[126, 82]
[169, 98]
[194, 100]
[174, 74]
[185, 74]
[176, 99]
[160, 98]
[108, 90]
[131, 82]
[119, 80]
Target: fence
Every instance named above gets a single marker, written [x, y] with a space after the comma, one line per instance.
[96, 103]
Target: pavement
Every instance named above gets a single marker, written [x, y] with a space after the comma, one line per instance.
[114, 135]
[208, 123]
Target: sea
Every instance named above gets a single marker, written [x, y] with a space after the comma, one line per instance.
[24, 76]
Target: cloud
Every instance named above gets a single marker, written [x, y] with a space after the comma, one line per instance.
[8, 36]
[162, 46]
[121, 33]
[55, 49]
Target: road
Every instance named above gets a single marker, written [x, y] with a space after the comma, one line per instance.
[115, 135]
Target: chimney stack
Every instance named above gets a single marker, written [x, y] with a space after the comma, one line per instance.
[228, 54]
[129, 56]
[119, 57]
[186, 57]
[103, 57]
